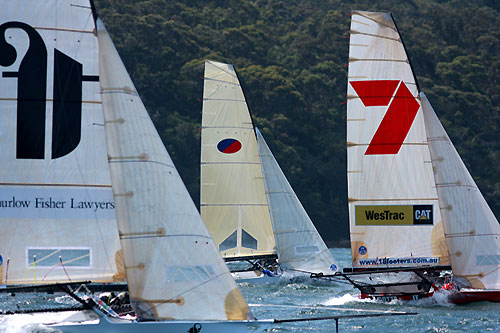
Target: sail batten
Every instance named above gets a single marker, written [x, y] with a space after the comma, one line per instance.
[393, 206]
[173, 268]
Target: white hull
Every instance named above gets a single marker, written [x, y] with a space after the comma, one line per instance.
[89, 321]
[110, 325]
[256, 277]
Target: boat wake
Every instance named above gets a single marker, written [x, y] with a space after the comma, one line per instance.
[438, 299]
[346, 299]
[23, 323]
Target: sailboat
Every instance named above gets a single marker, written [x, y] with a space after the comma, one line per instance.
[396, 229]
[413, 206]
[246, 201]
[176, 278]
[55, 188]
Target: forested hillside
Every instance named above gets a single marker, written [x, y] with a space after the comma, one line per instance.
[291, 55]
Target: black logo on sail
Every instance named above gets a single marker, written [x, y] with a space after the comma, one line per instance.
[422, 214]
[31, 96]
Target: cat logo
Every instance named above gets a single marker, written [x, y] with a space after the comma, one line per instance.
[422, 214]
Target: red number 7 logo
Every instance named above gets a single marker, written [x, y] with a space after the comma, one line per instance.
[399, 117]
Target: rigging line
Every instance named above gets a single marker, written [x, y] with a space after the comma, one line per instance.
[49, 255]
[494, 270]
[50, 270]
[60, 260]
[325, 307]
[201, 284]
[335, 279]
[7, 271]
[29, 268]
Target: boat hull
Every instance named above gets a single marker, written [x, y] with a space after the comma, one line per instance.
[255, 277]
[462, 297]
[466, 296]
[401, 297]
[111, 325]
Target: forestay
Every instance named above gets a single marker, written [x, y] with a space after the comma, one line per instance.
[173, 268]
[471, 229]
[299, 245]
[393, 206]
[233, 200]
[57, 217]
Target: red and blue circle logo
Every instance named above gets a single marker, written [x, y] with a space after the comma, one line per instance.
[229, 146]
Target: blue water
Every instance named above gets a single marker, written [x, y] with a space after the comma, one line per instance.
[323, 299]
[288, 299]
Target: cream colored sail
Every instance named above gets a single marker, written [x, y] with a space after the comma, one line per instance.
[298, 243]
[393, 205]
[57, 217]
[173, 268]
[233, 200]
[471, 229]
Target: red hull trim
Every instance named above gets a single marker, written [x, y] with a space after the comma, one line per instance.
[470, 296]
[402, 297]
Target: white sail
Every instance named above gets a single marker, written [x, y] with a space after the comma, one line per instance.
[173, 268]
[393, 205]
[298, 243]
[471, 229]
[233, 200]
[57, 217]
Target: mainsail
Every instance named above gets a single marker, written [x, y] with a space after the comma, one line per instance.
[57, 216]
[298, 243]
[233, 200]
[471, 229]
[393, 205]
[173, 268]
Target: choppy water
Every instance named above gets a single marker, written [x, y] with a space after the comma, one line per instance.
[305, 299]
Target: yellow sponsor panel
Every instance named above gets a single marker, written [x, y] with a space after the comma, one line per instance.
[384, 215]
